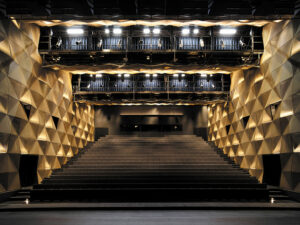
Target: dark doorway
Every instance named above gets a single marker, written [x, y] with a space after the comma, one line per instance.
[145, 123]
[272, 169]
[28, 170]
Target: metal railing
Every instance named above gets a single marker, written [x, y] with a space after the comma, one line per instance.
[156, 86]
[86, 43]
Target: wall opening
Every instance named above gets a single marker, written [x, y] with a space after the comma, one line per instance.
[55, 120]
[28, 170]
[27, 109]
[272, 169]
[245, 120]
[227, 128]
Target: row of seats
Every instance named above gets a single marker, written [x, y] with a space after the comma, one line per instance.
[150, 169]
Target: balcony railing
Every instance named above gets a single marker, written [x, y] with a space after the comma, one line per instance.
[155, 86]
[85, 43]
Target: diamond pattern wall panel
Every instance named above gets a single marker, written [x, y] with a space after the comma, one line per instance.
[268, 99]
[37, 115]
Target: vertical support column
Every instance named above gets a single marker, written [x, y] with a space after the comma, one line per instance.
[222, 80]
[79, 82]
[211, 39]
[252, 39]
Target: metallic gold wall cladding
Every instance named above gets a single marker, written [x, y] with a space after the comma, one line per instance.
[32, 101]
[270, 97]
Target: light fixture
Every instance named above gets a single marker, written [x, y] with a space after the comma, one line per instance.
[272, 200]
[155, 75]
[47, 22]
[156, 31]
[117, 30]
[227, 31]
[75, 31]
[119, 75]
[99, 75]
[127, 75]
[89, 85]
[146, 30]
[147, 75]
[107, 31]
[196, 31]
[91, 75]
[201, 42]
[183, 75]
[175, 75]
[185, 31]
[242, 43]
[26, 201]
[203, 74]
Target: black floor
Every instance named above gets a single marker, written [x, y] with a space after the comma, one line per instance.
[151, 217]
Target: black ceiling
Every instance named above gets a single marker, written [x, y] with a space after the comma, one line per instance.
[149, 9]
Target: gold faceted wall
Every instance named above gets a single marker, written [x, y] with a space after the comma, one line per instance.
[263, 115]
[37, 115]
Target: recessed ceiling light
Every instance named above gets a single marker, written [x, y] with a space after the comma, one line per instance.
[185, 31]
[146, 30]
[228, 31]
[196, 31]
[75, 31]
[156, 30]
[117, 31]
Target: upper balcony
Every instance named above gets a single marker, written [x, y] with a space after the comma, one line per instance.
[126, 43]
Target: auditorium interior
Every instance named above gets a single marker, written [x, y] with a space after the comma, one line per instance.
[150, 112]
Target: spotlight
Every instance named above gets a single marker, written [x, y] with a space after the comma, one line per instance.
[147, 75]
[242, 43]
[126, 75]
[196, 31]
[185, 31]
[183, 75]
[155, 75]
[272, 200]
[75, 31]
[117, 31]
[201, 42]
[91, 75]
[99, 44]
[59, 42]
[156, 31]
[227, 31]
[89, 85]
[203, 74]
[159, 43]
[222, 44]
[27, 201]
[99, 75]
[146, 30]
[175, 75]
[107, 31]
[119, 75]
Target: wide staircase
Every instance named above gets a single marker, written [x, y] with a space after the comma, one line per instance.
[173, 168]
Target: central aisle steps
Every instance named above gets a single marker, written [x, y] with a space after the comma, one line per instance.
[174, 168]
